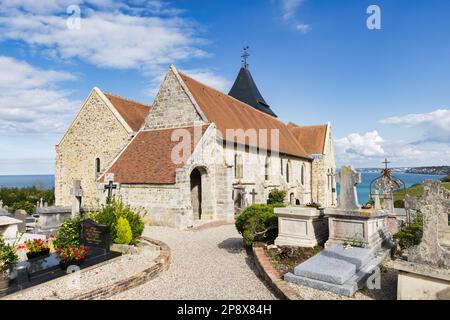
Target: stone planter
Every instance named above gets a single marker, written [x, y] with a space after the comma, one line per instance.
[367, 228]
[301, 226]
[4, 282]
[35, 255]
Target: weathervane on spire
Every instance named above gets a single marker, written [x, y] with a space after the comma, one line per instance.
[244, 56]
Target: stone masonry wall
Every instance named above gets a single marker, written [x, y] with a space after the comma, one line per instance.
[172, 107]
[95, 133]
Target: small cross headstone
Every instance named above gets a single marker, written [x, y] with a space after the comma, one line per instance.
[77, 193]
[110, 187]
[253, 193]
[348, 178]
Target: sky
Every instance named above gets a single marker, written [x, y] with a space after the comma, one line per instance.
[385, 91]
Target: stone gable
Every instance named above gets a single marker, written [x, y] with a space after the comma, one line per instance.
[95, 133]
[172, 107]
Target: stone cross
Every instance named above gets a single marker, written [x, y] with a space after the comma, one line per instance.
[348, 178]
[77, 193]
[253, 193]
[110, 187]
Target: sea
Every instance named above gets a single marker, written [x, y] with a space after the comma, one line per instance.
[48, 182]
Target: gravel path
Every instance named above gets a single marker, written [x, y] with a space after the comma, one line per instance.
[210, 263]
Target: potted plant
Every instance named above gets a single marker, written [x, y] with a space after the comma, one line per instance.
[37, 248]
[8, 257]
[71, 255]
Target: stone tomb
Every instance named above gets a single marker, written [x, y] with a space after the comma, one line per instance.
[301, 226]
[9, 227]
[349, 224]
[336, 269]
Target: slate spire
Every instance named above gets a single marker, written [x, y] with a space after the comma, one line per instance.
[245, 89]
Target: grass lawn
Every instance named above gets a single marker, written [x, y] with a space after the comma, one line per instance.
[415, 191]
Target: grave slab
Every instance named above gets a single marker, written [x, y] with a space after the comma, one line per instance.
[336, 269]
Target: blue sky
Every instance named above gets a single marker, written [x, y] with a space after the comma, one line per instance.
[386, 92]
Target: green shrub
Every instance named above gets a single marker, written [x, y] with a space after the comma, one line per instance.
[257, 223]
[115, 209]
[8, 255]
[276, 197]
[446, 179]
[124, 235]
[23, 205]
[411, 235]
[399, 204]
[68, 232]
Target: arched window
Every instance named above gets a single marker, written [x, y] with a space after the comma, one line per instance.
[97, 166]
[281, 166]
[302, 174]
[267, 169]
[288, 171]
[238, 167]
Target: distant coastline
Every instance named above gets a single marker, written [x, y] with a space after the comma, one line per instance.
[41, 181]
[431, 170]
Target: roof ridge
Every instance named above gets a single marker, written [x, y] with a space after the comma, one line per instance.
[127, 99]
[311, 125]
[172, 128]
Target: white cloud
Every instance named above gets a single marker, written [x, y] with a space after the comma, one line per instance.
[30, 100]
[366, 145]
[435, 124]
[288, 14]
[209, 78]
[369, 150]
[305, 28]
[111, 37]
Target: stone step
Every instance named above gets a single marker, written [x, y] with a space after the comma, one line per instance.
[348, 288]
[334, 264]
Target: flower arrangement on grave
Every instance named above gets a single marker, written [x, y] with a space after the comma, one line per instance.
[72, 254]
[36, 248]
[8, 257]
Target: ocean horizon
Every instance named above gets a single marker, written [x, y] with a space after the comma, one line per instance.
[47, 181]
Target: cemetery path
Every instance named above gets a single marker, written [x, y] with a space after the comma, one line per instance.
[210, 263]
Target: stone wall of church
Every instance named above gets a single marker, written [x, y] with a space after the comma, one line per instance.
[254, 175]
[172, 107]
[95, 133]
[324, 183]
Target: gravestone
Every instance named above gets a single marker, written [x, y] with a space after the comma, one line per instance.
[348, 178]
[94, 235]
[426, 273]
[22, 216]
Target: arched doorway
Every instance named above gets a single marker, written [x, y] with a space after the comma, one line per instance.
[196, 193]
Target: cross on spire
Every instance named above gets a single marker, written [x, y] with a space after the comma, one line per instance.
[244, 56]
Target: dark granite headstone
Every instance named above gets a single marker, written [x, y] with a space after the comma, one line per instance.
[94, 235]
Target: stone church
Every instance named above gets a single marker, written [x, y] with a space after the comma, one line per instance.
[194, 154]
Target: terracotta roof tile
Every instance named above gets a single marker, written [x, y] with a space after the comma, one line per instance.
[229, 113]
[147, 159]
[312, 138]
[134, 113]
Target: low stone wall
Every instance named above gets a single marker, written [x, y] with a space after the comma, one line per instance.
[271, 276]
[162, 264]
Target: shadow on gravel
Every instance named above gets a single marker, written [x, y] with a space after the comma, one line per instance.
[232, 245]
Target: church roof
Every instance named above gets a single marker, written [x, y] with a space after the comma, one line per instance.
[244, 89]
[147, 159]
[134, 113]
[312, 138]
[229, 113]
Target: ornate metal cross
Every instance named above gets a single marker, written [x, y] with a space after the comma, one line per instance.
[244, 56]
[386, 162]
